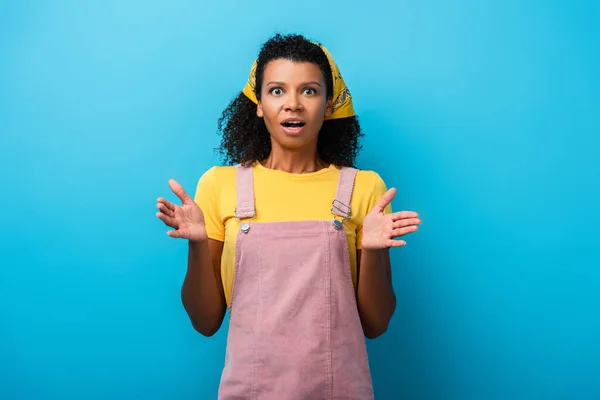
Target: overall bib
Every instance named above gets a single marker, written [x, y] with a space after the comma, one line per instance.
[294, 329]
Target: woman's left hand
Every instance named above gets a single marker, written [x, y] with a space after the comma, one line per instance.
[380, 230]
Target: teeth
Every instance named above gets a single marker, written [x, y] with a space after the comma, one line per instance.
[293, 123]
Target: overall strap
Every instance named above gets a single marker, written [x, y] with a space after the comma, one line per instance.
[343, 196]
[245, 207]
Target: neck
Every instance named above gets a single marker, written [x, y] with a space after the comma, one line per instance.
[295, 162]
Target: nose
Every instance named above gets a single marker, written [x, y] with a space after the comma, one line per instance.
[293, 102]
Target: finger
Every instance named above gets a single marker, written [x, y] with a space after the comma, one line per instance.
[401, 223]
[385, 200]
[169, 221]
[404, 231]
[396, 243]
[178, 190]
[404, 214]
[178, 234]
[165, 210]
[166, 203]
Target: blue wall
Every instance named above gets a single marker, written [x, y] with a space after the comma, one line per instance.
[484, 114]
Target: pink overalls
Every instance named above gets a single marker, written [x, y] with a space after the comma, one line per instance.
[294, 330]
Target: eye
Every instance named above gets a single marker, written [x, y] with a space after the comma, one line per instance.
[277, 91]
[310, 91]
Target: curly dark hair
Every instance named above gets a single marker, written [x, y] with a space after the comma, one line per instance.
[245, 137]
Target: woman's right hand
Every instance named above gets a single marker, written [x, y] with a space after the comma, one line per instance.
[187, 219]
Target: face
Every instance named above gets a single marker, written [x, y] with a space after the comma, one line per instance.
[293, 103]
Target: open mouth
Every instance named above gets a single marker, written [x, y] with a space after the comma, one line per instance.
[293, 124]
[292, 127]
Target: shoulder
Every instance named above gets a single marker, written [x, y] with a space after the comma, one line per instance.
[368, 182]
[217, 175]
[215, 182]
[369, 187]
[217, 172]
[215, 191]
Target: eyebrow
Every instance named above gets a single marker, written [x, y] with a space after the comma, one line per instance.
[283, 84]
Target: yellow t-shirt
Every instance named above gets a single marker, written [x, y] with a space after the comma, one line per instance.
[282, 196]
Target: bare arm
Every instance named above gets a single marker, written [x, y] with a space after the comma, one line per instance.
[375, 294]
[202, 292]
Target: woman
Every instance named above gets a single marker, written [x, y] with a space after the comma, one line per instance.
[292, 238]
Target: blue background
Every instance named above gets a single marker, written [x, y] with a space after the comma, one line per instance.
[484, 114]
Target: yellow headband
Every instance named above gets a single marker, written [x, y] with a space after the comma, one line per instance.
[342, 100]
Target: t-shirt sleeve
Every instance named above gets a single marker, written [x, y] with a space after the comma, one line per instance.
[378, 190]
[207, 198]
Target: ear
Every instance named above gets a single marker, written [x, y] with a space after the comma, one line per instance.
[328, 107]
[259, 110]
